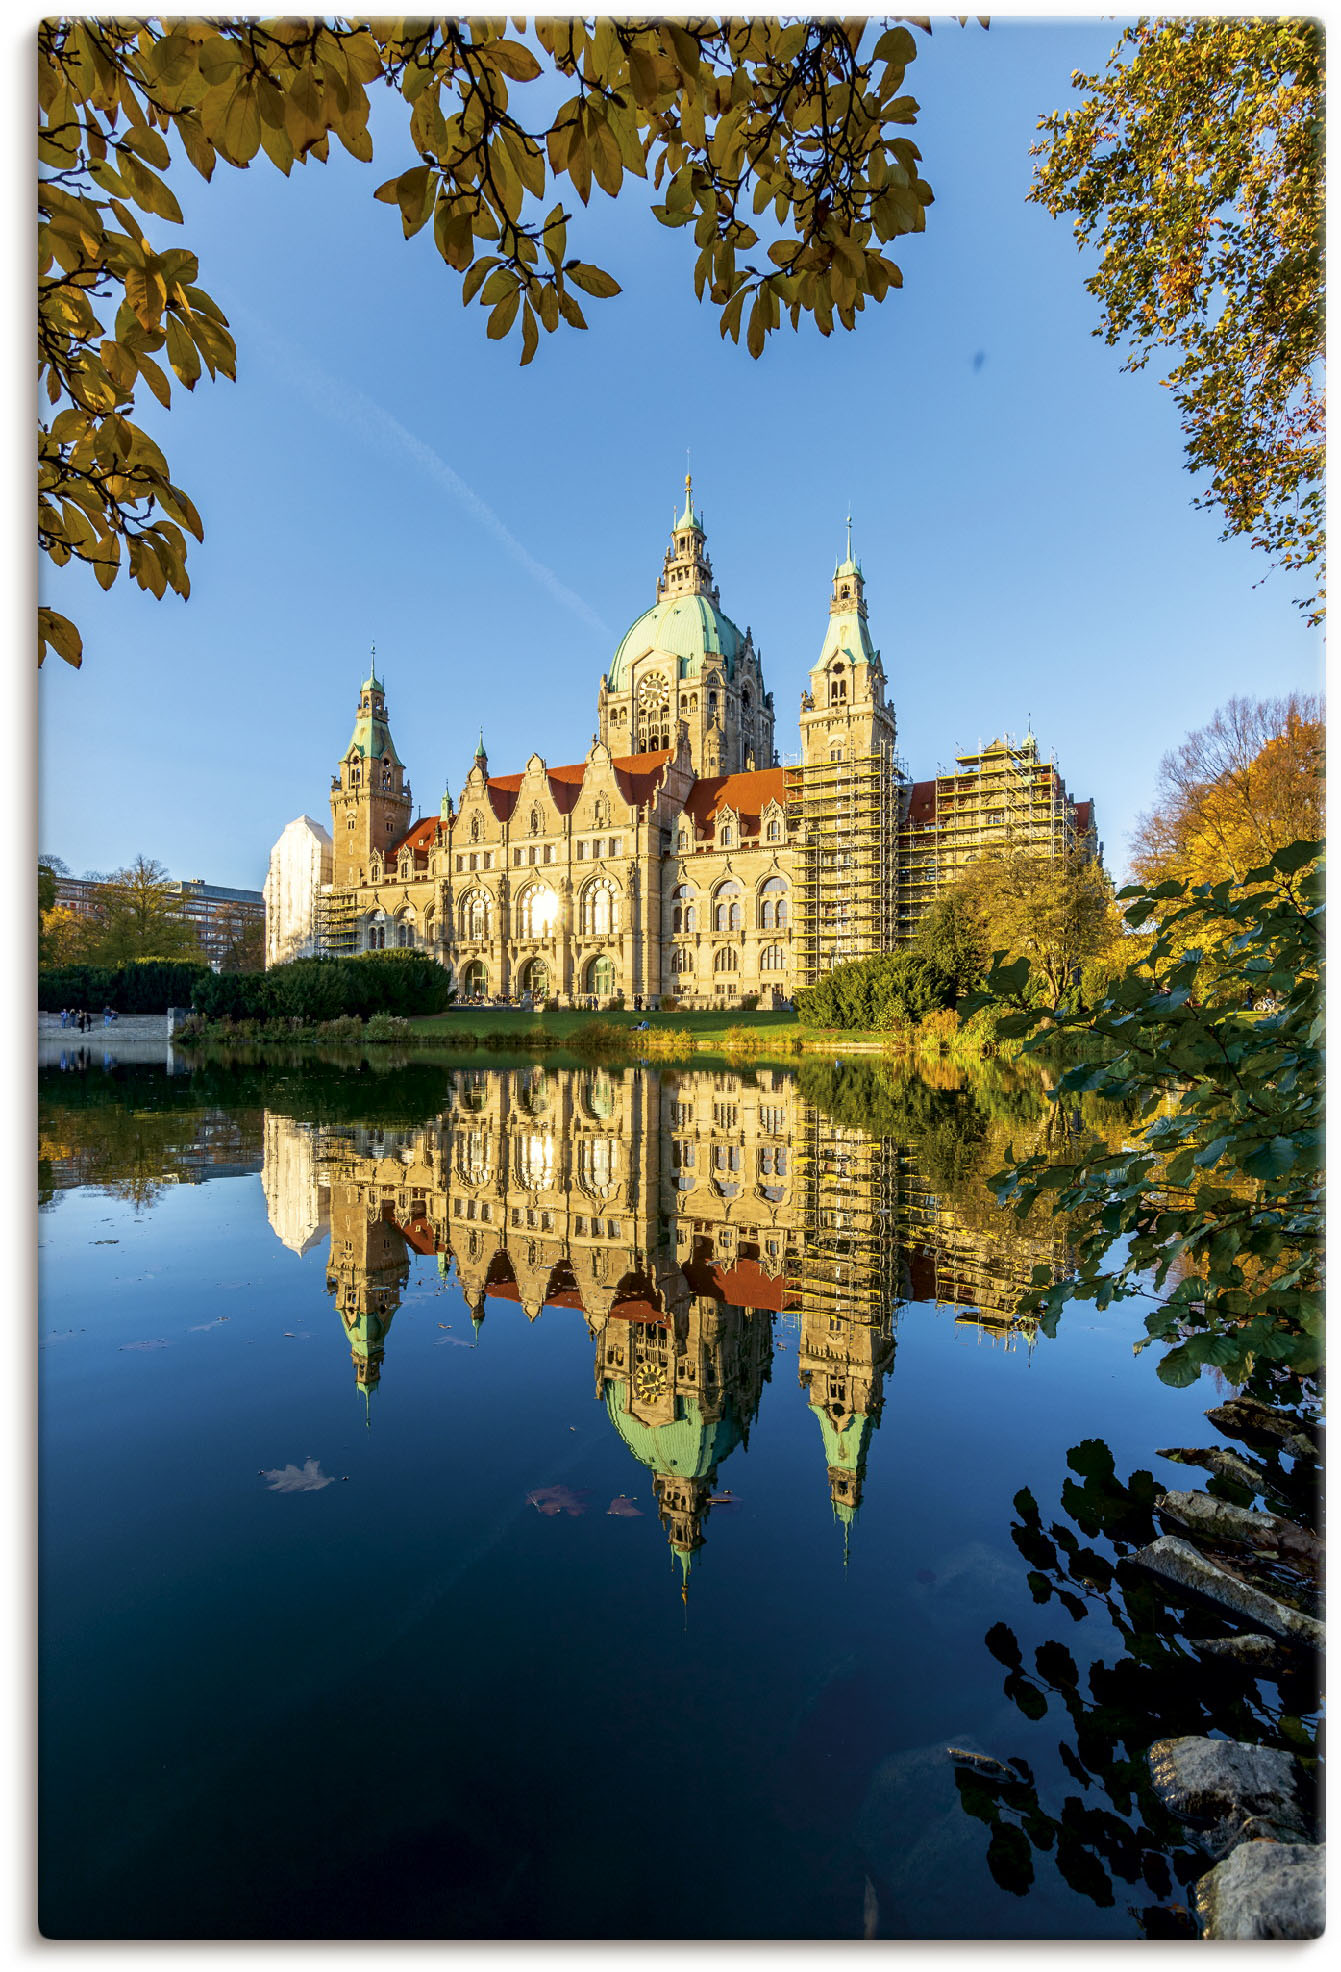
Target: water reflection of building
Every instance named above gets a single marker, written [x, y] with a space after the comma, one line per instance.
[680, 1215]
[295, 1199]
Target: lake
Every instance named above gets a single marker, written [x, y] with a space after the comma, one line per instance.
[353, 1385]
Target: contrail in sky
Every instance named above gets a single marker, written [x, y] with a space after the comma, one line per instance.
[347, 406]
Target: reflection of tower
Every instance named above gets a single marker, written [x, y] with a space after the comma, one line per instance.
[295, 1200]
[366, 1273]
[846, 1284]
[681, 1388]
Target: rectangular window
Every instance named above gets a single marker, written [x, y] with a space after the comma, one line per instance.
[535, 855]
[549, 852]
[489, 859]
[516, 859]
[616, 845]
[474, 862]
[581, 852]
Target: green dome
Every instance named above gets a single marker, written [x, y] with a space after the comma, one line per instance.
[688, 1447]
[687, 628]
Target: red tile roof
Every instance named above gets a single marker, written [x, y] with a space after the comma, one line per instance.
[746, 794]
[508, 1290]
[420, 838]
[640, 774]
[922, 803]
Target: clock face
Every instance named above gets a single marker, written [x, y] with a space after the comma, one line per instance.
[653, 693]
[649, 1380]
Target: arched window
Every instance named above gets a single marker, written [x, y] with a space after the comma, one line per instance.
[599, 912]
[405, 930]
[477, 915]
[537, 912]
[771, 959]
[682, 840]
[727, 960]
[728, 913]
[837, 685]
[355, 773]
[684, 915]
[836, 752]
[386, 777]
[682, 958]
[601, 976]
[773, 904]
[376, 934]
[475, 979]
[535, 979]
[728, 836]
[533, 1091]
[773, 833]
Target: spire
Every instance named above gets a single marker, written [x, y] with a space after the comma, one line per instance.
[687, 570]
[480, 753]
[372, 683]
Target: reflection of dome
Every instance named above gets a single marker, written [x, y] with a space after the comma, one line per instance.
[690, 629]
[688, 1446]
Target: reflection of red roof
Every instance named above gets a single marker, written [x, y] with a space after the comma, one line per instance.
[508, 1290]
[640, 774]
[420, 1235]
[746, 1285]
[636, 1311]
[747, 795]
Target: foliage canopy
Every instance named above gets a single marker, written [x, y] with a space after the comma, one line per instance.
[782, 142]
[1215, 1206]
[1194, 167]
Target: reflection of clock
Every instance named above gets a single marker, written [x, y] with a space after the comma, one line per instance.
[649, 1380]
[653, 693]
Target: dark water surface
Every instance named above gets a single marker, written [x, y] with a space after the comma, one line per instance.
[525, 1503]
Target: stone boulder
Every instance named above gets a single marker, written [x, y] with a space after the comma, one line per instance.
[1227, 1791]
[1265, 1889]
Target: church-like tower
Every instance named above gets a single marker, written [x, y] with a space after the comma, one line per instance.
[370, 798]
[684, 662]
[845, 715]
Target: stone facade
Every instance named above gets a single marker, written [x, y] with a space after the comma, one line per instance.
[678, 860]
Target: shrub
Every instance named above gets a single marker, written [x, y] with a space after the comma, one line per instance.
[867, 992]
[597, 1039]
[749, 1001]
[386, 1027]
[143, 986]
[345, 1027]
[315, 990]
[669, 1003]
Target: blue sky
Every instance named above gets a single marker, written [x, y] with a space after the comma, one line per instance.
[381, 472]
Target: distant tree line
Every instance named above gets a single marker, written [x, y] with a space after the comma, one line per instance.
[136, 913]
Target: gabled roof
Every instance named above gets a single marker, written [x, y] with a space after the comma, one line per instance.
[746, 794]
[421, 838]
[639, 775]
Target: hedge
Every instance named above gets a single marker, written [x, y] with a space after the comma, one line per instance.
[143, 986]
[324, 989]
[870, 993]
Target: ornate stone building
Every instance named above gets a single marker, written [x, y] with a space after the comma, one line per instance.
[678, 859]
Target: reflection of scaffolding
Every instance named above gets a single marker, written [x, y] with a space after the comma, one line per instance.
[1003, 794]
[843, 815]
[847, 1264]
[337, 922]
[981, 1275]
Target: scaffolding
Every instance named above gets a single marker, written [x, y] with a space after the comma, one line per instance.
[846, 1265]
[843, 816]
[337, 923]
[1001, 795]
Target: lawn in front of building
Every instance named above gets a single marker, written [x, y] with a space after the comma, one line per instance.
[709, 1027]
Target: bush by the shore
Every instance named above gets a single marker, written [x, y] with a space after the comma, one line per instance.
[143, 986]
[316, 990]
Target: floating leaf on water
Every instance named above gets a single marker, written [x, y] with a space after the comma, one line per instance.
[624, 1509]
[550, 1500]
[305, 1478]
[159, 1343]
